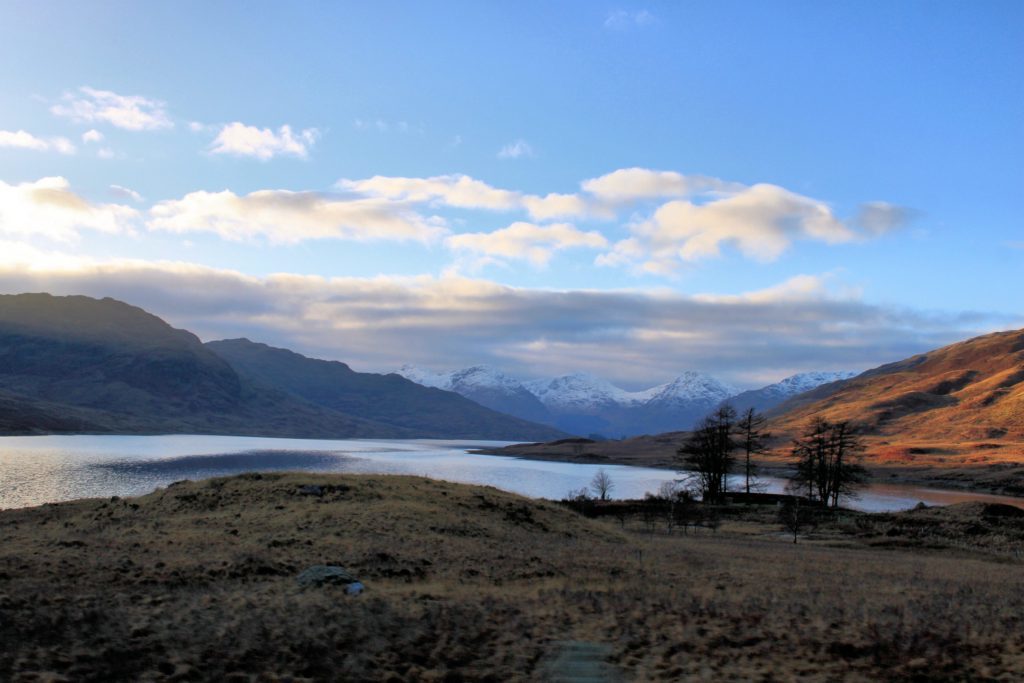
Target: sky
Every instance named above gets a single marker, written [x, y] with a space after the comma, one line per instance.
[748, 189]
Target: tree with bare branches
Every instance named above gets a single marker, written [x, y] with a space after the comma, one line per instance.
[707, 456]
[827, 466]
[751, 437]
[602, 485]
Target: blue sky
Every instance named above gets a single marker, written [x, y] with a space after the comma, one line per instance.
[831, 184]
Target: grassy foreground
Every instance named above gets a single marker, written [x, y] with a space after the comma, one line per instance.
[197, 582]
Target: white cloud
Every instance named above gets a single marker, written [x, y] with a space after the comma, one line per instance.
[460, 191]
[106, 153]
[631, 336]
[130, 112]
[761, 221]
[555, 205]
[126, 193]
[24, 140]
[263, 143]
[632, 184]
[619, 20]
[48, 208]
[283, 216]
[799, 288]
[92, 135]
[516, 150]
[526, 241]
[464, 192]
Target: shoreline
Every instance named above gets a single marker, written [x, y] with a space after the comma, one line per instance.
[966, 479]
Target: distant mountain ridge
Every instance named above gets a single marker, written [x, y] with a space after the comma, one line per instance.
[486, 386]
[390, 398]
[772, 395]
[78, 364]
[583, 403]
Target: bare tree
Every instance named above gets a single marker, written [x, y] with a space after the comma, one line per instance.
[602, 485]
[672, 500]
[751, 437]
[826, 462]
[794, 517]
[707, 455]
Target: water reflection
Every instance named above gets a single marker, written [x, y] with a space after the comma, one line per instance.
[36, 470]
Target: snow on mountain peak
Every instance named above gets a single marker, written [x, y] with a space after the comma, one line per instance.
[438, 380]
[691, 387]
[476, 377]
[484, 377]
[584, 392]
[577, 390]
[581, 390]
[805, 381]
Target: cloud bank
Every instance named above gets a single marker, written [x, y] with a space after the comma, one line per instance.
[287, 217]
[673, 219]
[634, 337]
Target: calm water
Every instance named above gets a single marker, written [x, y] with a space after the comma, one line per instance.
[44, 469]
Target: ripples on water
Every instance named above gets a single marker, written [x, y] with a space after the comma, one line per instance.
[43, 469]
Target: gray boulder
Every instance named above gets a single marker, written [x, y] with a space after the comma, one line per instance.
[323, 574]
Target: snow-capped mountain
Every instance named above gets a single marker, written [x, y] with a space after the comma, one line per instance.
[582, 403]
[437, 380]
[690, 387]
[579, 391]
[582, 391]
[774, 394]
[487, 386]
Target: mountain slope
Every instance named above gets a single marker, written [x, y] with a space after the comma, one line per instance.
[427, 412]
[77, 364]
[774, 394]
[971, 390]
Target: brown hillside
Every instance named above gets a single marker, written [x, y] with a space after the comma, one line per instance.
[959, 408]
[970, 391]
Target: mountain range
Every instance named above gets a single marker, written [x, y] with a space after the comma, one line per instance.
[77, 364]
[952, 417]
[585, 404]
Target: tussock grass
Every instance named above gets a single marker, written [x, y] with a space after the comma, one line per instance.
[197, 582]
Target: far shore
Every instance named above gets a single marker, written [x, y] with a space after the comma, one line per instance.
[1004, 477]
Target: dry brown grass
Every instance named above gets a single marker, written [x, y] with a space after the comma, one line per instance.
[196, 582]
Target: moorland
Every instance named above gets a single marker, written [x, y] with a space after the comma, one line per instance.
[198, 582]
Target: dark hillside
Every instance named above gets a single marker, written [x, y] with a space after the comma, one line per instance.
[386, 398]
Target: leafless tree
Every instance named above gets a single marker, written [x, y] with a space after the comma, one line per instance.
[751, 437]
[794, 517]
[707, 456]
[602, 485]
[826, 462]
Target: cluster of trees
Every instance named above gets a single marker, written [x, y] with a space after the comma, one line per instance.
[826, 456]
[675, 507]
[826, 469]
[826, 462]
[709, 455]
